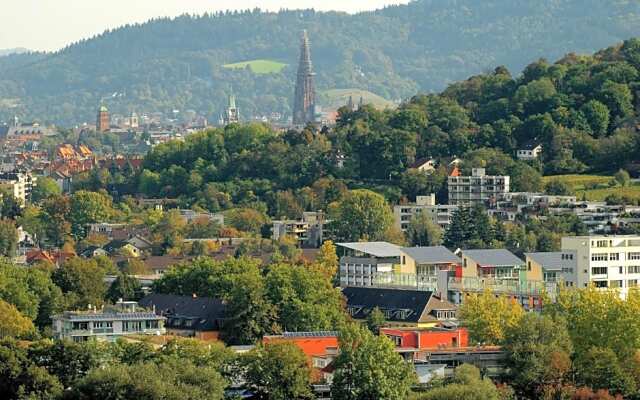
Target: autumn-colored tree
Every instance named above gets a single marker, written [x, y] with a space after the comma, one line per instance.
[12, 322]
[327, 258]
[489, 316]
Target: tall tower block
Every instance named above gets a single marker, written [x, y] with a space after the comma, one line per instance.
[304, 102]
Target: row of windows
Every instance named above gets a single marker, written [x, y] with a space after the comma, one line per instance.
[615, 284]
[613, 256]
[634, 269]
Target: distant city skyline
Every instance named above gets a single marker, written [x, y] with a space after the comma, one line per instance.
[52, 24]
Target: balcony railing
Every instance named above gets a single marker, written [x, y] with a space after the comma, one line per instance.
[475, 284]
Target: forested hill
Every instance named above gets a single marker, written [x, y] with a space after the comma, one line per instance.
[394, 52]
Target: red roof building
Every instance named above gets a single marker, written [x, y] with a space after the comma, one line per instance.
[319, 347]
[430, 338]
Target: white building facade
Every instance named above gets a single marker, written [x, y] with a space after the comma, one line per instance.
[478, 188]
[606, 261]
[440, 214]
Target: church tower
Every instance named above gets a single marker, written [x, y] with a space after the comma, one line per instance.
[304, 102]
[103, 123]
[233, 114]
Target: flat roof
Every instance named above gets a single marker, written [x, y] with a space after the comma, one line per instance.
[376, 249]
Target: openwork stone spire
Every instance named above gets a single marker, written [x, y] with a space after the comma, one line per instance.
[304, 103]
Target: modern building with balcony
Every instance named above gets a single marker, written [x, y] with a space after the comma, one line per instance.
[478, 188]
[556, 266]
[425, 263]
[440, 214]
[108, 324]
[606, 261]
[498, 264]
[362, 262]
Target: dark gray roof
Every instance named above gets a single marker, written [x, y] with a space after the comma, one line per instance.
[530, 144]
[552, 260]
[187, 312]
[431, 255]
[496, 257]
[361, 301]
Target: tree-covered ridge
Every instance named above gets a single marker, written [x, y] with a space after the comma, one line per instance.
[394, 52]
[582, 109]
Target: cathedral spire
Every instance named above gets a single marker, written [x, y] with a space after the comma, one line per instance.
[304, 102]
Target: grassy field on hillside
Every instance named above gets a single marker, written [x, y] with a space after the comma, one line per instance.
[579, 182]
[336, 98]
[631, 192]
[258, 66]
[595, 187]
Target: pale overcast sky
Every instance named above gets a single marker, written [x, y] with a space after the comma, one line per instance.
[51, 24]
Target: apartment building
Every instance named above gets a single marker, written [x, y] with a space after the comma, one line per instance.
[125, 318]
[308, 231]
[440, 214]
[362, 262]
[420, 266]
[607, 261]
[478, 188]
[498, 264]
[20, 184]
[556, 266]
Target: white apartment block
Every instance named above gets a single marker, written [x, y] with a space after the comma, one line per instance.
[19, 184]
[440, 214]
[477, 188]
[125, 318]
[607, 261]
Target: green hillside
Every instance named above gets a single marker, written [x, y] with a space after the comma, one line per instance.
[395, 52]
[258, 66]
[336, 98]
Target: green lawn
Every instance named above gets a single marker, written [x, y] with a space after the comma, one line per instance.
[336, 98]
[258, 66]
[579, 182]
[631, 192]
[595, 187]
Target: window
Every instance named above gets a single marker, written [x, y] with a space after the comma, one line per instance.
[602, 243]
[319, 363]
[397, 340]
[567, 270]
[599, 271]
[132, 326]
[600, 284]
[633, 256]
[616, 284]
[599, 257]
[80, 326]
[621, 270]
[614, 256]
[632, 283]
[633, 269]
[529, 266]
[153, 324]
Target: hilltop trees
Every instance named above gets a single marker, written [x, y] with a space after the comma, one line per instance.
[361, 215]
